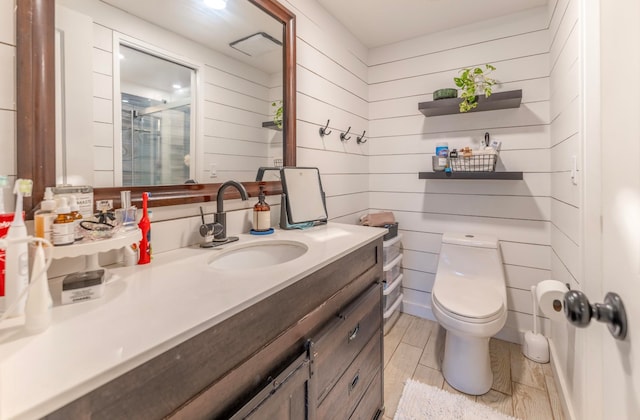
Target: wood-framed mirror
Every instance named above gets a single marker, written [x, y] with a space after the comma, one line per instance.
[36, 120]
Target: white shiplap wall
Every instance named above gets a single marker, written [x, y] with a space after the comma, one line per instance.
[403, 142]
[332, 85]
[7, 89]
[566, 213]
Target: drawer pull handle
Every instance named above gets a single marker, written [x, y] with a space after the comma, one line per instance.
[353, 334]
[354, 382]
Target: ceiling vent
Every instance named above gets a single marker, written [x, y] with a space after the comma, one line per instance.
[256, 44]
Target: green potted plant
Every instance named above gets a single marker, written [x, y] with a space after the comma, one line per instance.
[277, 117]
[473, 82]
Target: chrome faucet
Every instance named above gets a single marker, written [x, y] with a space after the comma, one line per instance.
[221, 216]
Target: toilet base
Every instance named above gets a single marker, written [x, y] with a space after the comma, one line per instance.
[467, 365]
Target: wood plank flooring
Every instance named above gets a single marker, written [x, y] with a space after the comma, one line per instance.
[521, 388]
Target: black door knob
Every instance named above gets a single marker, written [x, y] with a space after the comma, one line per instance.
[579, 312]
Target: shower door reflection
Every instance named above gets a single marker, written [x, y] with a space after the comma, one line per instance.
[155, 141]
[157, 119]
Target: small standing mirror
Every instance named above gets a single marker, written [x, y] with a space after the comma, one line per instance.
[303, 196]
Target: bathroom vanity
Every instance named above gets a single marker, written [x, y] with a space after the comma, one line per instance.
[180, 339]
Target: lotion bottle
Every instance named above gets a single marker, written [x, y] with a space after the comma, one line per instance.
[17, 253]
[261, 212]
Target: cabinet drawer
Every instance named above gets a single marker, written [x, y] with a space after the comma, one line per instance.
[344, 337]
[342, 400]
[371, 403]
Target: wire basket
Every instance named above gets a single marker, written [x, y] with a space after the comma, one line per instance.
[475, 163]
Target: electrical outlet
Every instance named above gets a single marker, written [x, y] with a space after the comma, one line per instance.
[213, 170]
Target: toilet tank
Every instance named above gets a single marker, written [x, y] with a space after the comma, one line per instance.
[466, 239]
[470, 256]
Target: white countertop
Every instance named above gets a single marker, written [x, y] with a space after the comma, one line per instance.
[145, 311]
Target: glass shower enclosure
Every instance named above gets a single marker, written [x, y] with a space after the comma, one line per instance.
[156, 119]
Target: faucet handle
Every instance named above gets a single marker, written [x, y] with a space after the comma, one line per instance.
[210, 229]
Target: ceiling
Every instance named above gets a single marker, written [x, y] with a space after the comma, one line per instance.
[215, 29]
[381, 22]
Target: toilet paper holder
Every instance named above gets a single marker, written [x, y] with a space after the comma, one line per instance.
[579, 312]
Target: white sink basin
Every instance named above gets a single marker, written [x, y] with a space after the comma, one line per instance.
[258, 255]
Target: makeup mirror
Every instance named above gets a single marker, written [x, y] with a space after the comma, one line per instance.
[303, 195]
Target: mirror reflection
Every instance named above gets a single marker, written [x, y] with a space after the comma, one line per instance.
[209, 129]
[156, 119]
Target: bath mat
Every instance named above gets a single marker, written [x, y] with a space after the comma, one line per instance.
[425, 402]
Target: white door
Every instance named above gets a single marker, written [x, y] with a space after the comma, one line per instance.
[612, 368]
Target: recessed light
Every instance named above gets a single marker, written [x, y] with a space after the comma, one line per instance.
[216, 4]
[176, 86]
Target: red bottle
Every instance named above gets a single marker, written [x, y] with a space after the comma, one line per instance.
[145, 227]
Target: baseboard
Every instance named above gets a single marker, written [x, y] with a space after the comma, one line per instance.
[561, 383]
[419, 310]
[510, 334]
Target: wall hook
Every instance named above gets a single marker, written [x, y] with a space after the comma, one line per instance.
[323, 130]
[361, 139]
[344, 137]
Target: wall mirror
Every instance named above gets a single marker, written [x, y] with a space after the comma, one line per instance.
[231, 94]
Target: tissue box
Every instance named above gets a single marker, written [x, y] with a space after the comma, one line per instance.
[78, 287]
[393, 231]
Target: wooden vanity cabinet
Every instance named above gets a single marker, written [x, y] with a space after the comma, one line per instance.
[224, 370]
[346, 357]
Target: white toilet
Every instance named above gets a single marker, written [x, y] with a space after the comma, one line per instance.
[469, 300]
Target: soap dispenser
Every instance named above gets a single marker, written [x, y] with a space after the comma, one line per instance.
[261, 212]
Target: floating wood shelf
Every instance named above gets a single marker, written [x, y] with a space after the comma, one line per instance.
[271, 125]
[498, 100]
[471, 175]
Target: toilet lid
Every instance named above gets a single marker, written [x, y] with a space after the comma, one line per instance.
[468, 299]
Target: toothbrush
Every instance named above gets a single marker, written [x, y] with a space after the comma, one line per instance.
[17, 253]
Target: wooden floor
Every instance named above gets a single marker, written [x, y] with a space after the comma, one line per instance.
[521, 388]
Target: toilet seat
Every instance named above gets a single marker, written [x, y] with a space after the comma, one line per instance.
[468, 300]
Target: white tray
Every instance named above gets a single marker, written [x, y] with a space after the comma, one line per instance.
[89, 247]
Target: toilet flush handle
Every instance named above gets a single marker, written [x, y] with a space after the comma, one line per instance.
[579, 312]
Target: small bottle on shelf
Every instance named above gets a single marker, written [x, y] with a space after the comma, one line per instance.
[77, 218]
[63, 225]
[44, 217]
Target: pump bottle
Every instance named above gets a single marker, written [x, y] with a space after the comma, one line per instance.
[261, 212]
